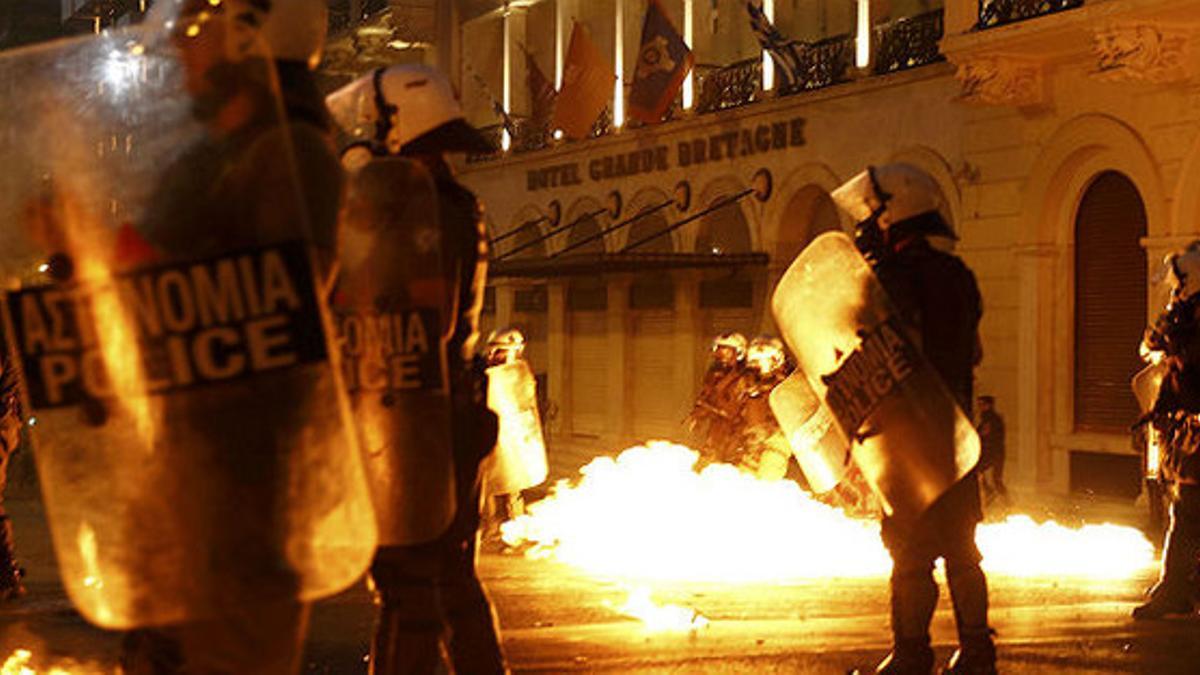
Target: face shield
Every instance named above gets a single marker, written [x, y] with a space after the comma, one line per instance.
[360, 110]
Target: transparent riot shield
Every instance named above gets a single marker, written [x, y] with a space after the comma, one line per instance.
[908, 435]
[393, 306]
[819, 447]
[1146, 385]
[519, 461]
[165, 305]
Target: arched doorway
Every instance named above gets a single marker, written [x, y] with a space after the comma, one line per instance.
[726, 296]
[654, 403]
[1110, 302]
[810, 212]
[587, 320]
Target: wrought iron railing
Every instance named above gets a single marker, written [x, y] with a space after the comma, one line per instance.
[822, 63]
[999, 12]
[722, 88]
[899, 45]
[908, 43]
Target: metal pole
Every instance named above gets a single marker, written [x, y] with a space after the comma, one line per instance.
[613, 228]
[518, 229]
[551, 233]
[721, 203]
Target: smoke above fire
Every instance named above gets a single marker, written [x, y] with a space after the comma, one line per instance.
[649, 515]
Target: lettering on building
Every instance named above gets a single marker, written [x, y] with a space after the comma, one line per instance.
[168, 328]
[874, 371]
[720, 147]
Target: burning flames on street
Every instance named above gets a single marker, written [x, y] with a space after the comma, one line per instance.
[23, 662]
[648, 515]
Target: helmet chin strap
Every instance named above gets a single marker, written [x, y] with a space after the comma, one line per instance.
[384, 112]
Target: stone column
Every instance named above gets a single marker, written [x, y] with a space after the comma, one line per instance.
[960, 16]
[1030, 455]
[449, 40]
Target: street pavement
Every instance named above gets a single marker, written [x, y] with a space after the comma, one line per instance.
[556, 619]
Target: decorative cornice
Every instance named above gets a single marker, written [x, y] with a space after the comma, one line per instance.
[1146, 52]
[1001, 80]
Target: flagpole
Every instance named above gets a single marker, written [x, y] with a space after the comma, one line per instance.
[559, 16]
[689, 83]
[862, 51]
[619, 67]
[768, 64]
[506, 94]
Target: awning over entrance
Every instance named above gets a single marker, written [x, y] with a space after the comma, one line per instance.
[618, 263]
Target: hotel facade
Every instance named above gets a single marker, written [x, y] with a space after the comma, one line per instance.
[1064, 135]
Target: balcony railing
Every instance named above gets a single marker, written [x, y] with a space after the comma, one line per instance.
[994, 13]
[822, 63]
[899, 45]
[729, 87]
[908, 43]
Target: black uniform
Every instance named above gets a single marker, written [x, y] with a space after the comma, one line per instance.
[938, 299]
[1174, 416]
[992, 454]
[430, 591]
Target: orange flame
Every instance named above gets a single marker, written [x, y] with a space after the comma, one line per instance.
[649, 515]
[21, 662]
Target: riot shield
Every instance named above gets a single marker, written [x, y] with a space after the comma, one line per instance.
[163, 303]
[907, 434]
[819, 448]
[1146, 385]
[519, 461]
[393, 306]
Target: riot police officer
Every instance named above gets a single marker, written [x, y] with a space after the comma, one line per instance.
[428, 590]
[1174, 340]
[254, 178]
[765, 451]
[715, 414]
[519, 461]
[939, 304]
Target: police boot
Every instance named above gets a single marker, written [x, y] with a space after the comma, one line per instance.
[10, 573]
[976, 655]
[908, 657]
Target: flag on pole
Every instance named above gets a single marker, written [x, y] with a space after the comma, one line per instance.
[541, 93]
[781, 49]
[664, 60]
[587, 83]
[497, 107]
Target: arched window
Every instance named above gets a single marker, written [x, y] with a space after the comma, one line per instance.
[527, 233]
[1110, 302]
[725, 230]
[809, 213]
[584, 229]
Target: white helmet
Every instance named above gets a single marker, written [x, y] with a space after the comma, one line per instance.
[505, 345]
[765, 354]
[890, 193]
[1183, 271]
[405, 109]
[733, 341]
[283, 30]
